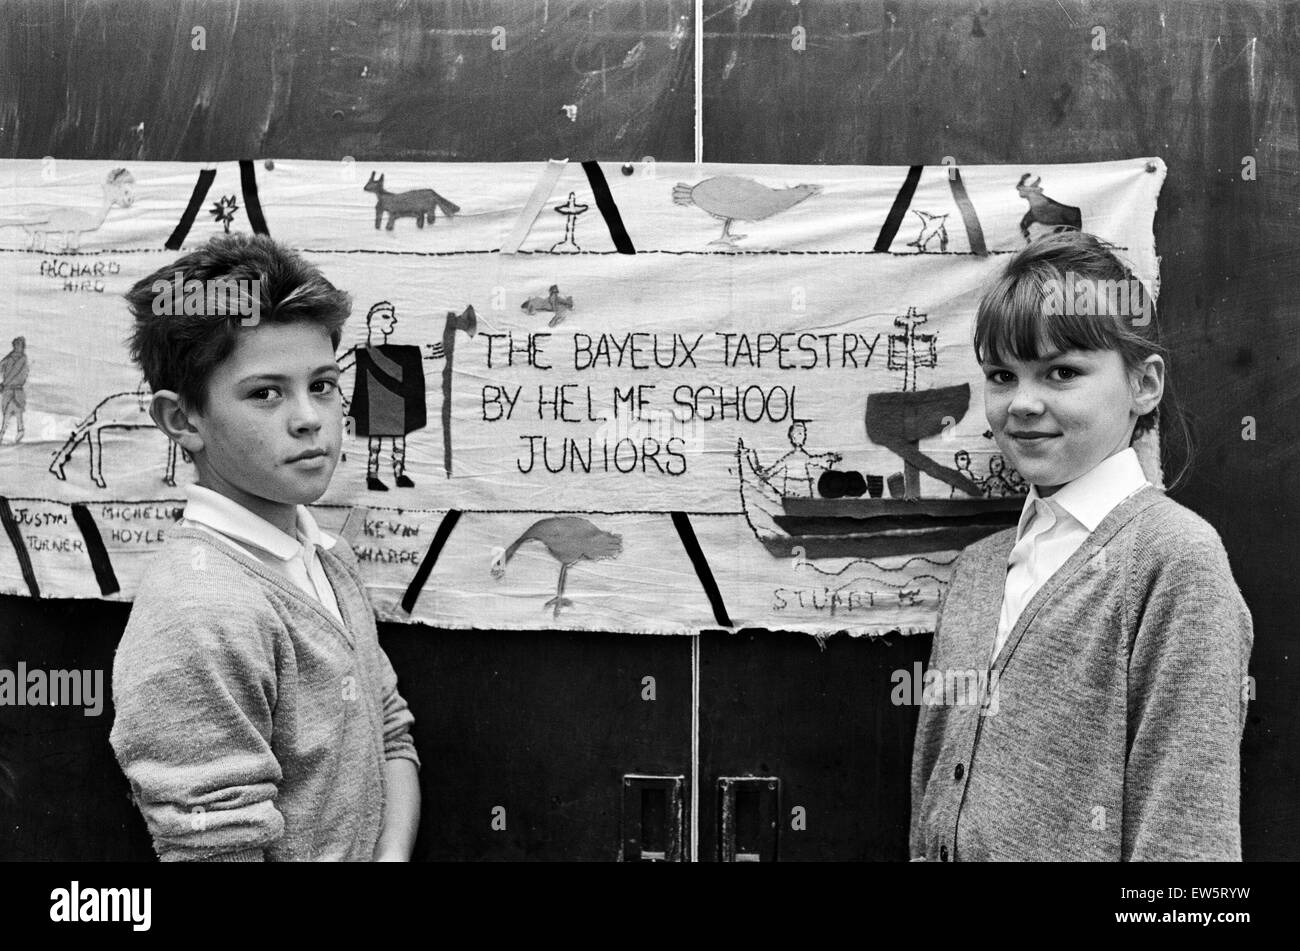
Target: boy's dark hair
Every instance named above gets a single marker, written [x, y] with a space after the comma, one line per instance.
[178, 351]
[1013, 317]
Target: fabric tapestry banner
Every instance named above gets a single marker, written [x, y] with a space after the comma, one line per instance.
[630, 398]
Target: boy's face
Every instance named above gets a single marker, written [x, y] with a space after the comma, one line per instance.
[273, 423]
[1057, 417]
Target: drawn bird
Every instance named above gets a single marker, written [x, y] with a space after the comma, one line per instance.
[553, 302]
[731, 198]
[931, 227]
[569, 540]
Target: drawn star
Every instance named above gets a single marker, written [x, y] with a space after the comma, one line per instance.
[224, 210]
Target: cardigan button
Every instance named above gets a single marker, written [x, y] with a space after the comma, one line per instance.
[958, 771]
[943, 853]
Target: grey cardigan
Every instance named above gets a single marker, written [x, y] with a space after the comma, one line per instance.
[251, 724]
[1111, 729]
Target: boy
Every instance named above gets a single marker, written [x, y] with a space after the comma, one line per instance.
[257, 717]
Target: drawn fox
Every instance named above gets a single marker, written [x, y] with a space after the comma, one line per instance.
[419, 204]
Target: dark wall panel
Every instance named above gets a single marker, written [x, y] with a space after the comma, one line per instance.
[1201, 84]
[545, 726]
[321, 79]
[820, 721]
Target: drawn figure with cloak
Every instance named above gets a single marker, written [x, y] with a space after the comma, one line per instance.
[388, 392]
[13, 377]
[387, 395]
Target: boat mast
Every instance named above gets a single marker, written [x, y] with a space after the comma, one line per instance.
[904, 347]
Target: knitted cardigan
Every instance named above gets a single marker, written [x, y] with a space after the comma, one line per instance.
[1110, 727]
[249, 723]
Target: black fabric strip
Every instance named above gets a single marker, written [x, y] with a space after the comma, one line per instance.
[974, 232]
[682, 522]
[196, 199]
[252, 205]
[901, 202]
[100, 563]
[20, 549]
[430, 559]
[605, 202]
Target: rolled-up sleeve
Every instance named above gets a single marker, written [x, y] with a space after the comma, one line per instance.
[398, 719]
[194, 697]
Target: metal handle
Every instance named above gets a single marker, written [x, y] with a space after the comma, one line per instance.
[748, 807]
[652, 818]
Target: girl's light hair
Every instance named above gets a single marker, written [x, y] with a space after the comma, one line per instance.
[1020, 314]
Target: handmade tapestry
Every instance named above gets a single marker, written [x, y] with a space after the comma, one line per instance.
[578, 395]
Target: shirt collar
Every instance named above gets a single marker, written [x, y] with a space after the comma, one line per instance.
[233, 520]
[1092, 496]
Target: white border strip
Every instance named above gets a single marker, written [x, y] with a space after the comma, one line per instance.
[699, 81]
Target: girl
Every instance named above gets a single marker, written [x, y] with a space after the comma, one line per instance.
[1108, 635]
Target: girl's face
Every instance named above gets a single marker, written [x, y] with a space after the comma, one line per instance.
[1057, 417]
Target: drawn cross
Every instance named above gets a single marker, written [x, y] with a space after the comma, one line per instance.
[903, 353]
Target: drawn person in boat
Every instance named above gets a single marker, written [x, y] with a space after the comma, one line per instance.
[962, 459]
[387, 394]
[798, 469]
[997, 485]
[13, 377]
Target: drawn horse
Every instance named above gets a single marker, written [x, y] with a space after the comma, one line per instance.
[127, 410]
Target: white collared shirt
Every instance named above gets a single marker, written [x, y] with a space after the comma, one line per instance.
[293, 558]
[1052, 529]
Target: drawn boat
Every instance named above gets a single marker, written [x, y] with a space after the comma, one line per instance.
[906, 524]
